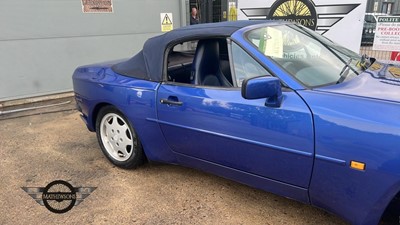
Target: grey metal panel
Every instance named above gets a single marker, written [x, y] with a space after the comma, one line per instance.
[43, 66]
[21, 19]
[42, 41]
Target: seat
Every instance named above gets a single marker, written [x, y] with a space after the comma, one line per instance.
[206, 69]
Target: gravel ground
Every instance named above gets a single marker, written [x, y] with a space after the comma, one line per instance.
[37, 149]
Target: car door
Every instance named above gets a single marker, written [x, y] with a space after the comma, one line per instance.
[218, 125]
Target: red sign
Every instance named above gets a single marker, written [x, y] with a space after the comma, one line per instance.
[395, 56]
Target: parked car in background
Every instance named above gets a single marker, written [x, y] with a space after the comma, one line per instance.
[270, 104]
[368, 34]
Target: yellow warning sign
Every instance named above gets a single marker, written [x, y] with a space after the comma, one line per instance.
[166, 22]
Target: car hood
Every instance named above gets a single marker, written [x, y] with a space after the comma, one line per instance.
[379, 81]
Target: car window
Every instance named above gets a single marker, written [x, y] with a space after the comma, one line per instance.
[179, 62]
[245, 66]
[369, 19]
[308, 57]
[202, 62]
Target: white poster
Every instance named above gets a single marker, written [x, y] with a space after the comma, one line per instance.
[339, 20]
[387, 34]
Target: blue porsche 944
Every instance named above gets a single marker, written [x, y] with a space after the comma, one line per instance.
[269, 104]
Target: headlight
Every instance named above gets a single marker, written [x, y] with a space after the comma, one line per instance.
[370, 30]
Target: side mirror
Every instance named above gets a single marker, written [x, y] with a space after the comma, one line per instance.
[263, 87]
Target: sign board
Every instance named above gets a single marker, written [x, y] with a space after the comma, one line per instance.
[395, 56]
[166, 22]
[387, 34]
[97, 6]
[331, 18]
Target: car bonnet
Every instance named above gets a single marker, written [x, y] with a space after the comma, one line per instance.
[380, 81]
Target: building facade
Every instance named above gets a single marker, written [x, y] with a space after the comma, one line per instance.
[215, 10]
[42, 42]
[389, 7]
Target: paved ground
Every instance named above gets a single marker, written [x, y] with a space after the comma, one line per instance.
[35, 150]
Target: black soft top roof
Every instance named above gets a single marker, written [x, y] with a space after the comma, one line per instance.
[148, 63]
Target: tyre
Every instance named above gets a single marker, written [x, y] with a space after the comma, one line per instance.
[117, 139]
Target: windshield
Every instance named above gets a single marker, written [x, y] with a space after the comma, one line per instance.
[369, 19]
[309, 57]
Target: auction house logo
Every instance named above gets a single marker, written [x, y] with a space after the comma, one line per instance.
[300, 11]
[59, 196]
[316, 17]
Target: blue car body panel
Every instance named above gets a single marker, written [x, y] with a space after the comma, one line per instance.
[359, 128]
[302, 149]
[133, 97]
[221, 127]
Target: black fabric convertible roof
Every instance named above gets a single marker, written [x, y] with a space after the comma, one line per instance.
[148, 63]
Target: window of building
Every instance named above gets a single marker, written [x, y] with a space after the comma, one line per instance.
[387, 7]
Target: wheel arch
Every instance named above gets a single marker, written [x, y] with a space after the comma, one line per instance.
[391, 213]
[99, 112]
[95, 112]
[146, 131]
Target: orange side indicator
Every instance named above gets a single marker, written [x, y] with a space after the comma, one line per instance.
[357, 165]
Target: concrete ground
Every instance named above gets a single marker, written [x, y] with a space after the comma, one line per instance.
[37, 149]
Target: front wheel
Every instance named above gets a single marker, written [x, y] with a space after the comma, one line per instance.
[117, 139]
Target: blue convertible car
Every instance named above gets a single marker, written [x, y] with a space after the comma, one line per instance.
[266, 103]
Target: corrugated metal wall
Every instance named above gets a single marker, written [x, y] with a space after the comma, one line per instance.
[43, 41]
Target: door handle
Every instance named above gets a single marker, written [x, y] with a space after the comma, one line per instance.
[171, 102]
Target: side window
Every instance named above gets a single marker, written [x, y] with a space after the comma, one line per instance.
[179, 62]
[245, 66]
[202, 62]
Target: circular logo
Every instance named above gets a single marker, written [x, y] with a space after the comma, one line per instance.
[300, 11]
[59, 196]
